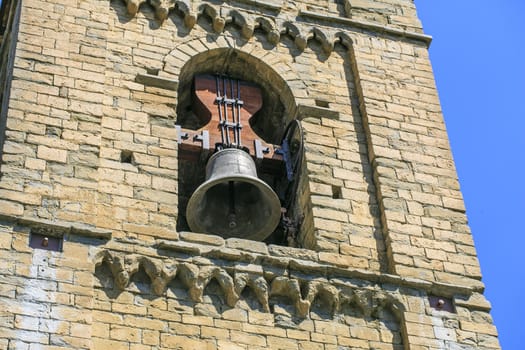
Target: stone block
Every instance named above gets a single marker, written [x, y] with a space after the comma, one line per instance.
[52, 154]
[201, 238]
[247, 245]
[11, 208]
[477, 327]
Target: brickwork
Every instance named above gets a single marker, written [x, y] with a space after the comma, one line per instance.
[204, 292]
[91, 156]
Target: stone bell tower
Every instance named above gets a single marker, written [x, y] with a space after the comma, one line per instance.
[191, 174]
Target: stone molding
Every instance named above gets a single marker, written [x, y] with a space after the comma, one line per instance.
[58, 228]
[299, 281]
[162, 260]
[245, 252]
[377, 28]
[301, 290]
[298, 26]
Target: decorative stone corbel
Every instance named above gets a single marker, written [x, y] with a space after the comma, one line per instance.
[335, 293]
[188, 274]
[133, 6]
[272, 33]
[324, 290]
[283, 286]
[327, 43]
[258, 285]
[117, 266]
[293, 31]
[162, 8]
[244, 22]
[159, 273]
[217, 21]
[206, 273]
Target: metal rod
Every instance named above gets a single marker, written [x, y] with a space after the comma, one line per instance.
[239, 114]
[233, 113]
[219, 99]
[225, 97]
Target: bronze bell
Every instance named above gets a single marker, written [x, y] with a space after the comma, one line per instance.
[233, 201]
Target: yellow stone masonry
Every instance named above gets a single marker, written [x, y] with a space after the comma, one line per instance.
[91, 95]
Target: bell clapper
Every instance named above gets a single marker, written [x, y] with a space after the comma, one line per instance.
[232, 219]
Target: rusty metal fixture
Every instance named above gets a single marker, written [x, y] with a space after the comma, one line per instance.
[42, 240]
[441, 303]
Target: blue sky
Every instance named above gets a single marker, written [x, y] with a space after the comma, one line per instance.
[478, 55]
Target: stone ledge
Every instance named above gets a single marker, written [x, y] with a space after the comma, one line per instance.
[58, 228]
[274, 5]
[299, 280]
[246, 245]
[377, 28]
[156, 81]
[300, 291]
[305, 111]
[284, 258]
[299, 261]
[201, 238]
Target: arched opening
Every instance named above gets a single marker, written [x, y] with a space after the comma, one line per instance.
[229, 68]
[278, 106]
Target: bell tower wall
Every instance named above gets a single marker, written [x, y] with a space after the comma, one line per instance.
[378, 252]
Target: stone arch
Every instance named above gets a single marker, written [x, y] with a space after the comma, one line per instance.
[249, 62]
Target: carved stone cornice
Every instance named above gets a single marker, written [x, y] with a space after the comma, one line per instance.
[372, 27]
[300, 25]
[301, 290]
[302, 261]
[299, 275]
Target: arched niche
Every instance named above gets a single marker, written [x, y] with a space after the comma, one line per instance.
[269, 123]
[278, 101]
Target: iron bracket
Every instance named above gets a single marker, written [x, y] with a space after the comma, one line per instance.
[204, 138]
[181, 135]
[260, 150]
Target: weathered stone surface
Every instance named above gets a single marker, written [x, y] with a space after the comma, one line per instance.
[201, 238]
[90, 153]
[246, 245]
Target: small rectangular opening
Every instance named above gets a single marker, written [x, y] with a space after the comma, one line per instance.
[441, 303]
[39, 240]
[126, 157]
[336, 192]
